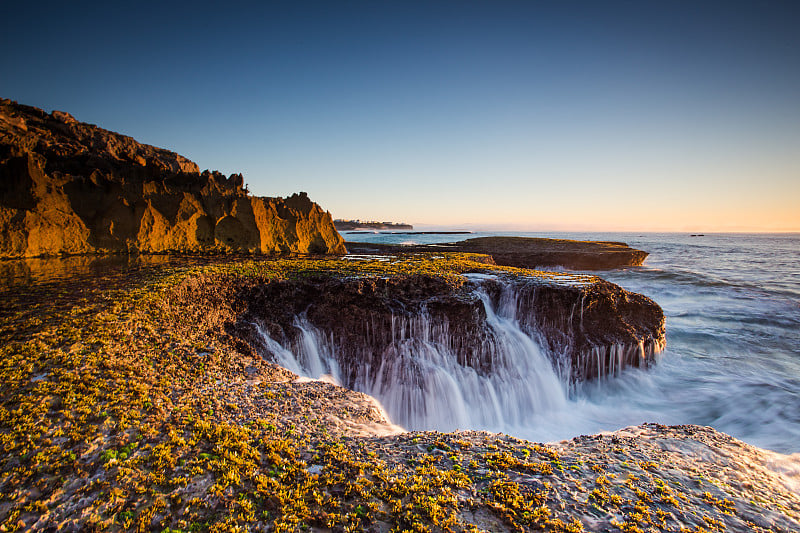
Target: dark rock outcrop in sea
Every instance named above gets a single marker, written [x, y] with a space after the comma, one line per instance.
[527, 252]
[67, 187]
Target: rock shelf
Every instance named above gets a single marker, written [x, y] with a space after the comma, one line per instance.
[126, 404]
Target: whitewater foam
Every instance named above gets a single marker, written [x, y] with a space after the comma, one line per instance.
[420, 382]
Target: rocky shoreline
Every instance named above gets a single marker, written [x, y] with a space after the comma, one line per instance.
[139, 391]
[126, 403]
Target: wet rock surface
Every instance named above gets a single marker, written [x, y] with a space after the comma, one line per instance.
[67, 187]
[590, 330]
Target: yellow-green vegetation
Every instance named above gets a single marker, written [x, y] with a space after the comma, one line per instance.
[125, 406]
[448, 266]
[107, 420]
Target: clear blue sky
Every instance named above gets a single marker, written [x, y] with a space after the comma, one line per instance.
[673, 115]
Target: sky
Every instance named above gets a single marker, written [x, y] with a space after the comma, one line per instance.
[520, 115]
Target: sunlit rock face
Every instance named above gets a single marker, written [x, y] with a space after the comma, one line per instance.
[488, 354]
[68, 187]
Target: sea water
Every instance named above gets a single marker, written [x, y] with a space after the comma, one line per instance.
[732, 306]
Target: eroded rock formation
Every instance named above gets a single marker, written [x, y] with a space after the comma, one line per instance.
[486, 354]
[593, 329]
[67, 187]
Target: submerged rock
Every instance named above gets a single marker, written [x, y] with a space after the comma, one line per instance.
[67, 187]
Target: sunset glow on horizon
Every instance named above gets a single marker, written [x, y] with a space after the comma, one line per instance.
[576, 116]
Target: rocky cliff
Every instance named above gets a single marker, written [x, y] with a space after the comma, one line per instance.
[67, 187]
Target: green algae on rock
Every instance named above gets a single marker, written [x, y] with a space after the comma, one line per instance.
[126, 405]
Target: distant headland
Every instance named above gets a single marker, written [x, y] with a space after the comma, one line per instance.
[348, 225]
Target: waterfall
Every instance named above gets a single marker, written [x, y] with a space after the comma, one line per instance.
[425, 378]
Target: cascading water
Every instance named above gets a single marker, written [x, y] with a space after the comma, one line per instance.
[312, 357]
[423, 383]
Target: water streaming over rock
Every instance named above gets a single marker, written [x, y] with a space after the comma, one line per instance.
[424, 384]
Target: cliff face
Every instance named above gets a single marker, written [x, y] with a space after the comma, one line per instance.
[67, 187]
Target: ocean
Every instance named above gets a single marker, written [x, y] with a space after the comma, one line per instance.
[732, 361]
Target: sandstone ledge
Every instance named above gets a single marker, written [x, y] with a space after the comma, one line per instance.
[590, 329]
